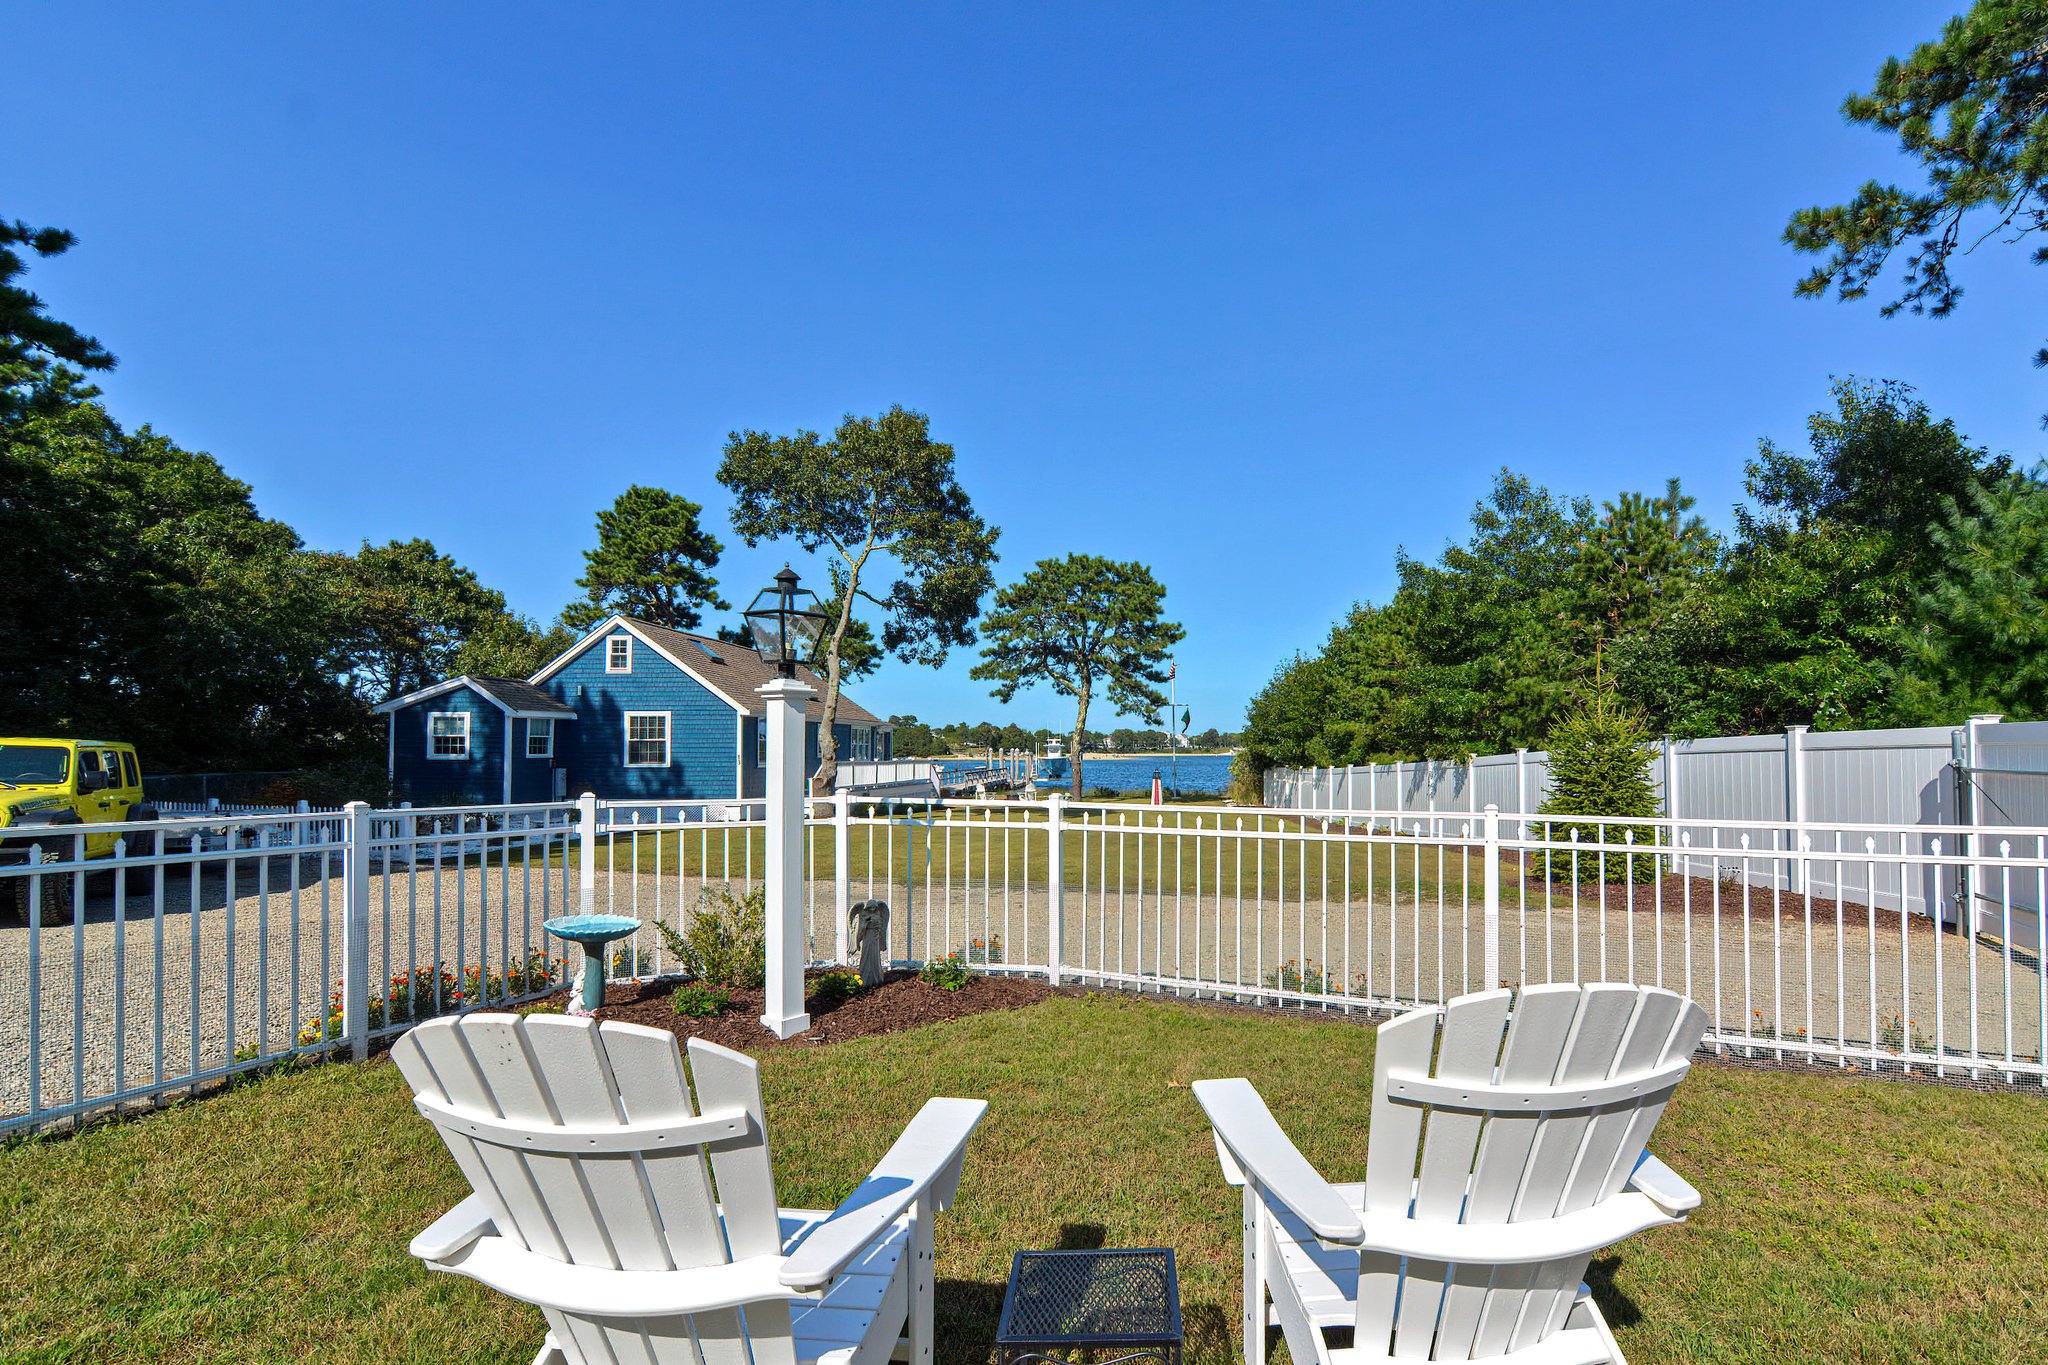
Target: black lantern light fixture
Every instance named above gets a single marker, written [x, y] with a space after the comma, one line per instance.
[785, 623]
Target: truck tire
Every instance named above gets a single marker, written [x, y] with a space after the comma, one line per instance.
[141, 881]
[53, 897]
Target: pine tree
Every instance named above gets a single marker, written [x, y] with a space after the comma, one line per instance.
[652, 561]
[1600, 766]
[1980, 638]
[1968, 106]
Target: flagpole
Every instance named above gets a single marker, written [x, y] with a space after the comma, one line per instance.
[1172, 719]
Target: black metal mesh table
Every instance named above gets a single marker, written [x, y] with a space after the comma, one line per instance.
[1121, 1304]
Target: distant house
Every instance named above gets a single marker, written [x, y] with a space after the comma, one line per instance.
[631, 710]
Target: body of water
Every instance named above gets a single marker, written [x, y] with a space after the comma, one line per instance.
[1198, 772]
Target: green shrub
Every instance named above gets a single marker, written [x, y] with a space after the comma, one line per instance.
[700, 1002]
[726, 941]
[835, 986]
[544, 1007]
[1600, 765]
[948, 973]
[1306, 976]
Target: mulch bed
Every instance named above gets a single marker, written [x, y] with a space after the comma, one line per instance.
[900, 1002]
[1707, 896]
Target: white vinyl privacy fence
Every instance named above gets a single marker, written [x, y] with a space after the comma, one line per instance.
[207, 947]
[1794, 792]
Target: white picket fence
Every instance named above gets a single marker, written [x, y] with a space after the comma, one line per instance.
[221, 944]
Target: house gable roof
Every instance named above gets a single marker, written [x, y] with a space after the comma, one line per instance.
[510, 695]
[733, 673]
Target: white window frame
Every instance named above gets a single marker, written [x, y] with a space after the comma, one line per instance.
[667, 739]
[546, 750]
[627, 666]
[761, 744]
[462, 716]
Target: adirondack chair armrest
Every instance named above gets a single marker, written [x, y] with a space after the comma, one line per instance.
[454, 1230]
[1665, 1187]
[1542, 1239]
[605, 1292]
[1248, 1139]
[926, 1159]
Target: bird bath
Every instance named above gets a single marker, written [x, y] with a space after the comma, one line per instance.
[591, 933]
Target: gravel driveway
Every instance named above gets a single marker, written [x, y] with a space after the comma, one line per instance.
[189, 981]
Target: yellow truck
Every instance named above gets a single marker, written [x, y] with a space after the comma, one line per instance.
[52, 791]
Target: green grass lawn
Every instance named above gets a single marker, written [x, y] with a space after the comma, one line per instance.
[1845, 1219]
[1219, 850]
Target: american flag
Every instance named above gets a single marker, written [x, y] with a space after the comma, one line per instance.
[1171, 669]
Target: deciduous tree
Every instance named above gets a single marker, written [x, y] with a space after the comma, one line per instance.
[1076, 623]
[409, 609]
[880, 491]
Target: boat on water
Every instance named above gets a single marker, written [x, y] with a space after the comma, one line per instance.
[1052, 770]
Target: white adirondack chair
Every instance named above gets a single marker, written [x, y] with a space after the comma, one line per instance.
[1491, 1178]
[644, 1226]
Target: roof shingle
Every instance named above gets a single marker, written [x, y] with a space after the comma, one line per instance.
[518, 695]
[736, 673]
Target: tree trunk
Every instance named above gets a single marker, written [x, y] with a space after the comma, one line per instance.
[828, 751]
[1080, 727]
[828, 748]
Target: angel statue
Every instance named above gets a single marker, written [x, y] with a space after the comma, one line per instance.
[869, 921]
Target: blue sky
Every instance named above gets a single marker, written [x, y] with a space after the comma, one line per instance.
[1252, 294]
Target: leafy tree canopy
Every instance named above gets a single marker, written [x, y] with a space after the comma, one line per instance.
[652, 561]
[146, 599]
[409, 610]
[879, 490]
[1802, 618]
[1077, 622]
[510, 646]
[1880, 461]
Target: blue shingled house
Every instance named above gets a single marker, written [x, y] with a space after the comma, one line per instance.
[631, 710]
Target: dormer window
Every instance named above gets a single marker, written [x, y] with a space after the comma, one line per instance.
[618, 654]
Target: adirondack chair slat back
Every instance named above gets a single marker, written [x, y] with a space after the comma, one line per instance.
[656, 1208]
[1497, 1159]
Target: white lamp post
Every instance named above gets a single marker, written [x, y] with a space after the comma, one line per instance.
[785, 628]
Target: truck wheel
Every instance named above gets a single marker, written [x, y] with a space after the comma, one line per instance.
[142, 844]
[54, 900]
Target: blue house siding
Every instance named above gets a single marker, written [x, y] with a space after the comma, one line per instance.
[531, 779]
[703, 728]
[442, 781]
[713, 744]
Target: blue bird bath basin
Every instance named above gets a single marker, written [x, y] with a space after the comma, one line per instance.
[591, 933]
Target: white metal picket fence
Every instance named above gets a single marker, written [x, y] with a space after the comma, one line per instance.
[1906, 949]
[206, 947]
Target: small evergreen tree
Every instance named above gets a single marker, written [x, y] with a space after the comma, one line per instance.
[1979, 638]
[1600, 766]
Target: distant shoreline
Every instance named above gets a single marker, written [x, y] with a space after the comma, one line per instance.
[1091, 756]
